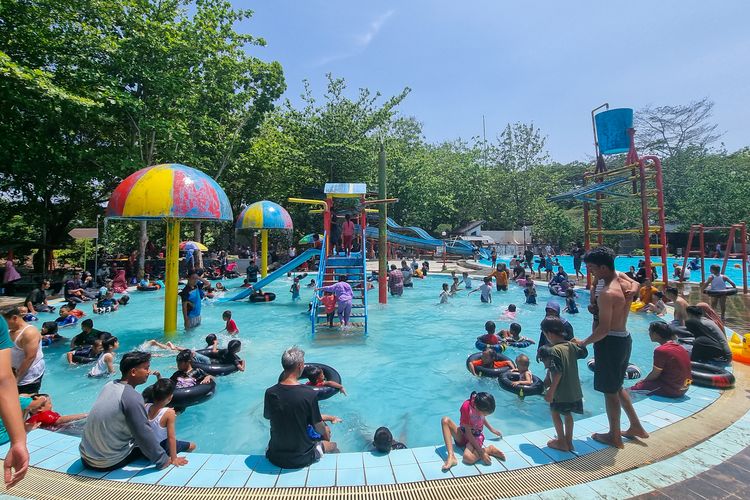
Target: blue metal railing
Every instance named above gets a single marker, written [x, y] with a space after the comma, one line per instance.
[319, 282]
[364, 278]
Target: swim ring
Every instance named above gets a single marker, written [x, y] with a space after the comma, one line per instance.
[481, 346]
[521, 343]
[214, 368]
[264, 297]
[323, 392]
[185, 396]
[637, 306]
[740, 347]
[82, 357]
[487, 372]
[632, 372]
[46, 341]
[190, 396]
[148, 288]
[506, 382]
[706, 375]
[718, 293]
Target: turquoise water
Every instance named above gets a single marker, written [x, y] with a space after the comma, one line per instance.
[623, 263]
[406, 374]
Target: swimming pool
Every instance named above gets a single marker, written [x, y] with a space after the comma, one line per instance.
[623, 263]
[406, 374]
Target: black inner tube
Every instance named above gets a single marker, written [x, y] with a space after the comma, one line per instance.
[488, 372]
[214, 368]
[506, 382]
[727, 292]
[190, 396]
[707, 375]
[83, 360]
[323, 392]
[264, 297]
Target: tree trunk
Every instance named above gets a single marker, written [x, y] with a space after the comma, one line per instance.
[198, 256]
[142, 250]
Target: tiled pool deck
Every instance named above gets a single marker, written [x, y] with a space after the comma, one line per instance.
[715, 468]
[59, 452]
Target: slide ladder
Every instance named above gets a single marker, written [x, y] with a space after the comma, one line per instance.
[355, 269]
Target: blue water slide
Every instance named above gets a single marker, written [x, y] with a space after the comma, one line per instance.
[416, 230]
[278, 273]
[410, 241]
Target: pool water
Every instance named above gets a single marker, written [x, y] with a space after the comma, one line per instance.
[406, 374]
[623, 263]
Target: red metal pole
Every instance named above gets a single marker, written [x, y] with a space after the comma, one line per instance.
[687, 252]
[702, 241]
[644, 218]
[362, 226]
[743, 246]
[728, 250]
[327, 224]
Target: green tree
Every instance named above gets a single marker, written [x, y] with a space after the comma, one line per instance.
[95, 90]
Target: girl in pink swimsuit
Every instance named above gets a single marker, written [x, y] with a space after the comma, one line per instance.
[469, 434]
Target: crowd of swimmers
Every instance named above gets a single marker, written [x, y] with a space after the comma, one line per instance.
[108, 434]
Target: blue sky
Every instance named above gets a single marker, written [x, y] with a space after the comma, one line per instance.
[546, 62]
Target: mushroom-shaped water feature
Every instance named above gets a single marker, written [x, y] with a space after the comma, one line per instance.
[170, 192]
[264, 215]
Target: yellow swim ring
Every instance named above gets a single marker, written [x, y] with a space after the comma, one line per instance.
[637, 306]
[740, 347]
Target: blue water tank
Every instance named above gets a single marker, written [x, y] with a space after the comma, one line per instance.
[612, 130]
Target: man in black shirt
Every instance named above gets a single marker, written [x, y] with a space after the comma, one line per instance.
[252, 272]
[528, 259]
[36, 301]
[88, 335]
[291, 408]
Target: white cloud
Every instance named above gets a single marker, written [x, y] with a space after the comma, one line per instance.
[364, 39]
[361, 41]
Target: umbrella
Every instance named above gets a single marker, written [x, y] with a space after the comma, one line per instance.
[308, 239]
[194, 245]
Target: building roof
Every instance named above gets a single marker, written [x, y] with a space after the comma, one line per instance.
[468, 227]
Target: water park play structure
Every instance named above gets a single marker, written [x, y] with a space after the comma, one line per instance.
[173, 193]
[265, 215]
[353, 266]
[734, 230]
[639, 178]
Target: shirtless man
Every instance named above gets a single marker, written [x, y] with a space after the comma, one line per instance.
[612, 345]
[679, 305]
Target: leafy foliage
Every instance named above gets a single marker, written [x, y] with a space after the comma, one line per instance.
[93, 90]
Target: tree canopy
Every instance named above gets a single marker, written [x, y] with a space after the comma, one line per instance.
[91, 91]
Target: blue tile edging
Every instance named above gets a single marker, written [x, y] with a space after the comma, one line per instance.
[59, 452]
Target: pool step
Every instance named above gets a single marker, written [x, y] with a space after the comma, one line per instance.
[324, 328]
[357, 315]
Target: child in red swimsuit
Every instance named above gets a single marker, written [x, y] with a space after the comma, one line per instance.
[469, 434]
[43, 415]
